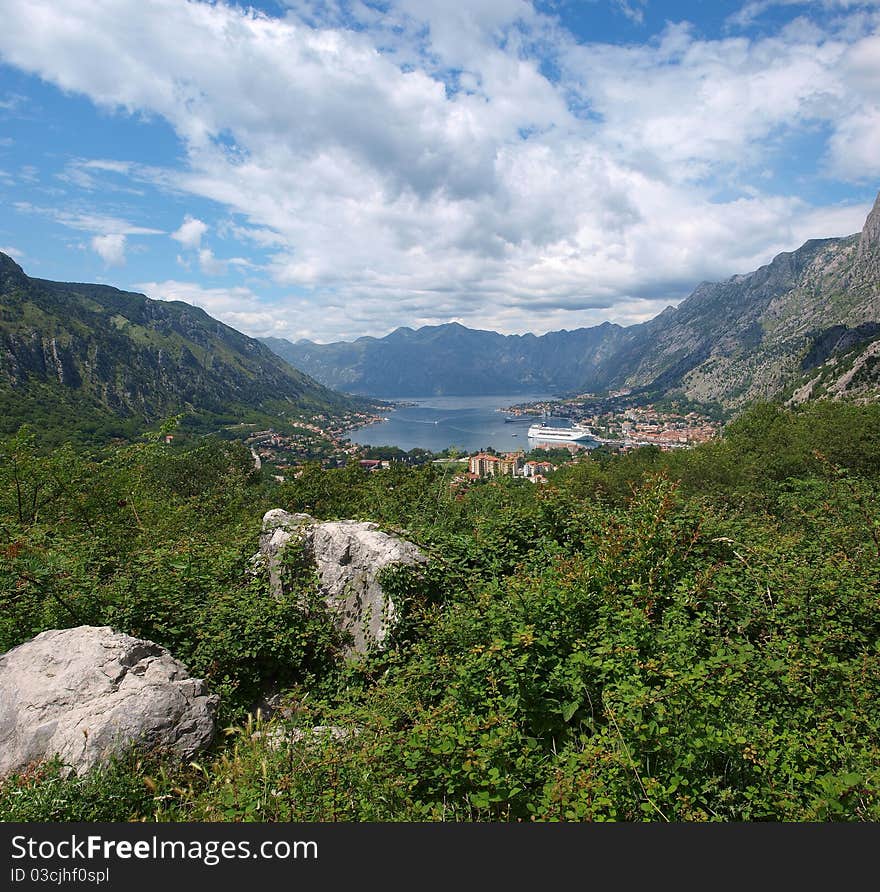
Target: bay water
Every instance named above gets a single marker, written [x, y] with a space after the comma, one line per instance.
[468, 423]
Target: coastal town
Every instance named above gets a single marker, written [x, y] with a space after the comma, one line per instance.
[614, 423]
[319, 438]
[618, 423]
[513, 464]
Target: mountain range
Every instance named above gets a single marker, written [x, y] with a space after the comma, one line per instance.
[452, 359]
[805, 325]
[97, 360]
[105, 362]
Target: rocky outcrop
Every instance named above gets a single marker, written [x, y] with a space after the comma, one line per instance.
[279, 527]
[869, 240]
[348, 556]
[87, 693]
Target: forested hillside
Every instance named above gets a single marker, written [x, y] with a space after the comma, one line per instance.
[94, 362]
[687, 636]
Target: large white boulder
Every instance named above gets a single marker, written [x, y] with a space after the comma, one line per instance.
[87, 693]
[348, 556]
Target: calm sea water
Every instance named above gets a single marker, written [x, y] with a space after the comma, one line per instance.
[468, 423]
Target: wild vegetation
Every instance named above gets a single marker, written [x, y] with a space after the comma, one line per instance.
[661, 637]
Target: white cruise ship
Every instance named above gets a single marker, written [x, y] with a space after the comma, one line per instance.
[573, 434]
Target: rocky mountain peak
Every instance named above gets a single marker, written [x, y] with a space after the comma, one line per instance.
[870, 238]
[10, 272]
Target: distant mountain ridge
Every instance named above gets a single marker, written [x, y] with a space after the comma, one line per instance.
[799, 326]
[78, 354]
[452, 359]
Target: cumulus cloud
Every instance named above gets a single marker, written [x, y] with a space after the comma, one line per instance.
[422, 165]
[110, 248]
[190, 233]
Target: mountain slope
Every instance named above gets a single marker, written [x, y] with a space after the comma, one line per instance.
[84, 355]
[754, 336]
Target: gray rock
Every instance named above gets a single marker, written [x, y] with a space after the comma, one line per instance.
[869, 240]
[89, 692]
[279, 527]
[279, 735]
[322, 732]
[348, 556]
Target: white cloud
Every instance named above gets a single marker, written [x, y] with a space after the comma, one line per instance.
[445, 175]
[108, 164]
[210, 265]
[632, 9]
[686, 108]
[12, 102]
[190, 232]
[87, 221]
[14, 253]
[854, 148]
[111, 248]
[27, 173]
[88, 174]
[751, 11]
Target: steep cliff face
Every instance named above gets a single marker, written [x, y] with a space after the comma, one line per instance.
[754, 336]
[869, 241]
[95, 349]
[743, 339]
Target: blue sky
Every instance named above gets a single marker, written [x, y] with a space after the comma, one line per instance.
[328, 169]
